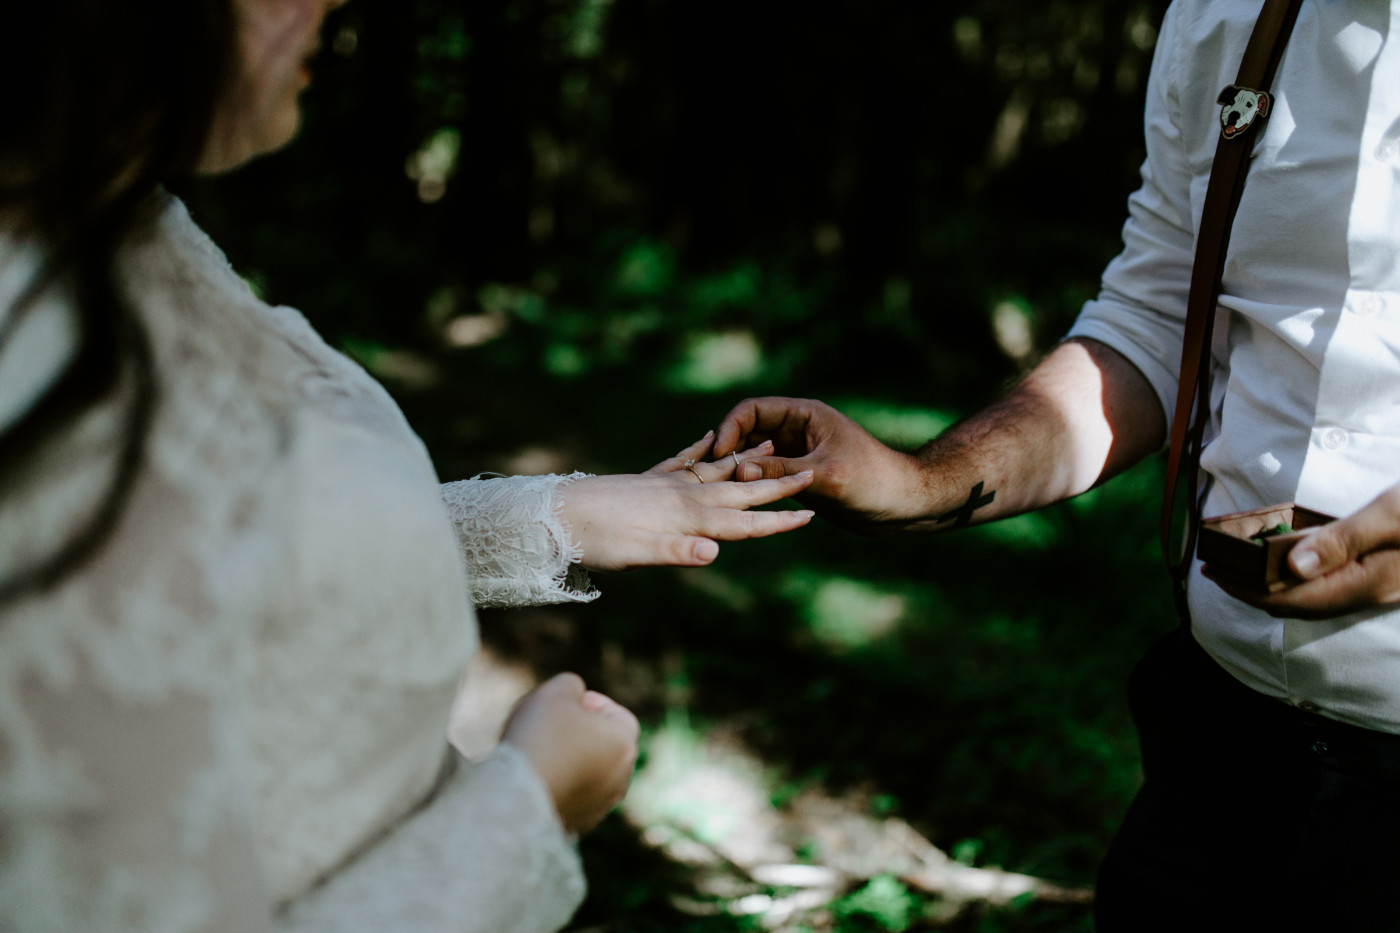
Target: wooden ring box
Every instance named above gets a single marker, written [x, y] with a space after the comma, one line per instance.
[1227, 544]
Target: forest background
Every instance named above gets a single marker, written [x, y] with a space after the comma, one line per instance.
[570, 234]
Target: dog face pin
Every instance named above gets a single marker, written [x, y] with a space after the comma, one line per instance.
[1239, 107]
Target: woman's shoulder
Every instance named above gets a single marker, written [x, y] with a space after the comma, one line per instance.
[214, 436]
[195, 294]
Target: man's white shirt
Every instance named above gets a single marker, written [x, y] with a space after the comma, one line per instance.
[1305, 396]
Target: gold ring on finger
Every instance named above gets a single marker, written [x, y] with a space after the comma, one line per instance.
[690, 465]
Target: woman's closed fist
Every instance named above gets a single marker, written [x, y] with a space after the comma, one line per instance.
[582, 743]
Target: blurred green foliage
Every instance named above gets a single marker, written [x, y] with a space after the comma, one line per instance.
[572, 233]
[883, 904]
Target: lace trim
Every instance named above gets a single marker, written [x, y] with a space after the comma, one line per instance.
[518, 549]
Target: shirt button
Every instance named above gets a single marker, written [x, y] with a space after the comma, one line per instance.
[1319, 747]
[1334, 438]
[1308, 706]
[1387, 150]
[1369, 306]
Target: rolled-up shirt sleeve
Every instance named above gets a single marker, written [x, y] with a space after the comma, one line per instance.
[1141, 308]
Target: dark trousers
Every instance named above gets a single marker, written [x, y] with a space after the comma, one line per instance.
[1253, 815]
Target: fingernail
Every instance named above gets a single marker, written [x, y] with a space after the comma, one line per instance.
[1305, 561]
[806, 514]
[804, 474]
[766, 445]
[708, 434]
[706, 551]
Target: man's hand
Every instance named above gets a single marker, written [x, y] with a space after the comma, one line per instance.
[1347, 565]
[1084, 414]
[858, 481]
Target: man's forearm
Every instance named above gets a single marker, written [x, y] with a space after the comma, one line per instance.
[1081, 416]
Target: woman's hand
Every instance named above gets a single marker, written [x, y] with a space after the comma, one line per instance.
[676, 512]
[1346, 565]
[582, 744]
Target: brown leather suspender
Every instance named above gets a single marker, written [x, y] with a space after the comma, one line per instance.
[1244, 104]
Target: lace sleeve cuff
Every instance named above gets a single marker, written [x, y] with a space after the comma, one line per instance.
[518, 549]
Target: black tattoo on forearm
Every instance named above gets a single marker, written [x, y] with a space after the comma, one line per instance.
[962, 515]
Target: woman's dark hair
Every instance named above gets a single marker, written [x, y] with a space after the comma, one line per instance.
[109, 101]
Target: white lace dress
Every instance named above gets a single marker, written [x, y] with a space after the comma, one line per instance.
[234, 717]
